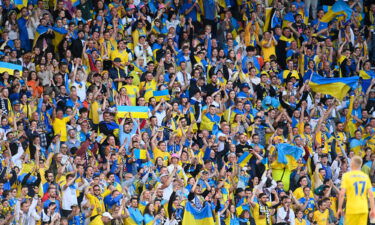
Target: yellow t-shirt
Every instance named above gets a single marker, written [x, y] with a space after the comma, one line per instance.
[123, 55]
[321, 218]
[298, 193]
[150, 87]
[297, 222]
[164, 155]
[132, 91]
[97, 221]
[59, 127]
[94, 112]
[356, 184]
[267, 52]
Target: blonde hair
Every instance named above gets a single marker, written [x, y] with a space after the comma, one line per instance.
[356, 161]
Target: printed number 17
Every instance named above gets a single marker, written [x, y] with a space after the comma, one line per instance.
[356, 186]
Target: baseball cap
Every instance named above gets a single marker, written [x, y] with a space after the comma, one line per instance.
[117, 59]
[107, 214]
[174, 155]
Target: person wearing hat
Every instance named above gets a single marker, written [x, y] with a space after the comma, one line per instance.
[76, 216]
[17, 113]
[174, 164]
[117, 73]
[103, 219]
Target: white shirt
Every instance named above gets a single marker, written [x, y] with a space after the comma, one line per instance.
[141, 52]
[160, 116]
[16, 159]
[282, 214]
[180, 77]
[69, 197]
[81, 90]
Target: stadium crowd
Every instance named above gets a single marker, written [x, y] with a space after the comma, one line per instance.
[238, 128]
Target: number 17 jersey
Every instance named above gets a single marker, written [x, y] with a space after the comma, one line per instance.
[357, 184]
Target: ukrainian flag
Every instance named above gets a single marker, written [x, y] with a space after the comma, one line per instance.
[75, 3]
[60, 33]
[158, 95]
[20, 3]
[139, 153]
[357, 146]
[40, 30]
[366, 78]
[269, 17]
[244, 159]
[193, 216]
[337, 87]
[10, 68]
[289, 154]
[340, 8]
[140, 112]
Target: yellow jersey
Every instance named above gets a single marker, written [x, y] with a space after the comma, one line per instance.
[132, 92]
[150, 87]
[298, 222]
[59, 127]
[356, 184]
[97, 221]
[321, 218]
[123, 55]
[298, 193]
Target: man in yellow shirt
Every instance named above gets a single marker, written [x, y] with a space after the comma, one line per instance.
[149, 86]
[59, 123]
[262, 210]
[356, 186]
[132, 90]
[268, 46]
[121, 53]
[321, 215]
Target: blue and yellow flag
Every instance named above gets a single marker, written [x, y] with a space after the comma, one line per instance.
[158, 95]
[139, 153]
[244, 159]
[20, 3]
[288, 154]
[269, 15]
[366, 78]
[193, 216]
[60, 33]
[140, 112]
[10, 68]
[40, 30]
[341, 9]
[75, 3]
[336, 87]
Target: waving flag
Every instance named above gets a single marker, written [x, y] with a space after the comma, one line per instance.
[20, 3]
[337, 87]
[340, 8]
[60, 33]
[244, 159]
[366, 77]
[135, 111]
[287, 153]
[158, 95]
[10, 68]
[139, 153]
[40, 30]
[193, 216]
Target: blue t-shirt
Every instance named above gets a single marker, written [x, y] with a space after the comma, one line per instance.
[192, 14]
